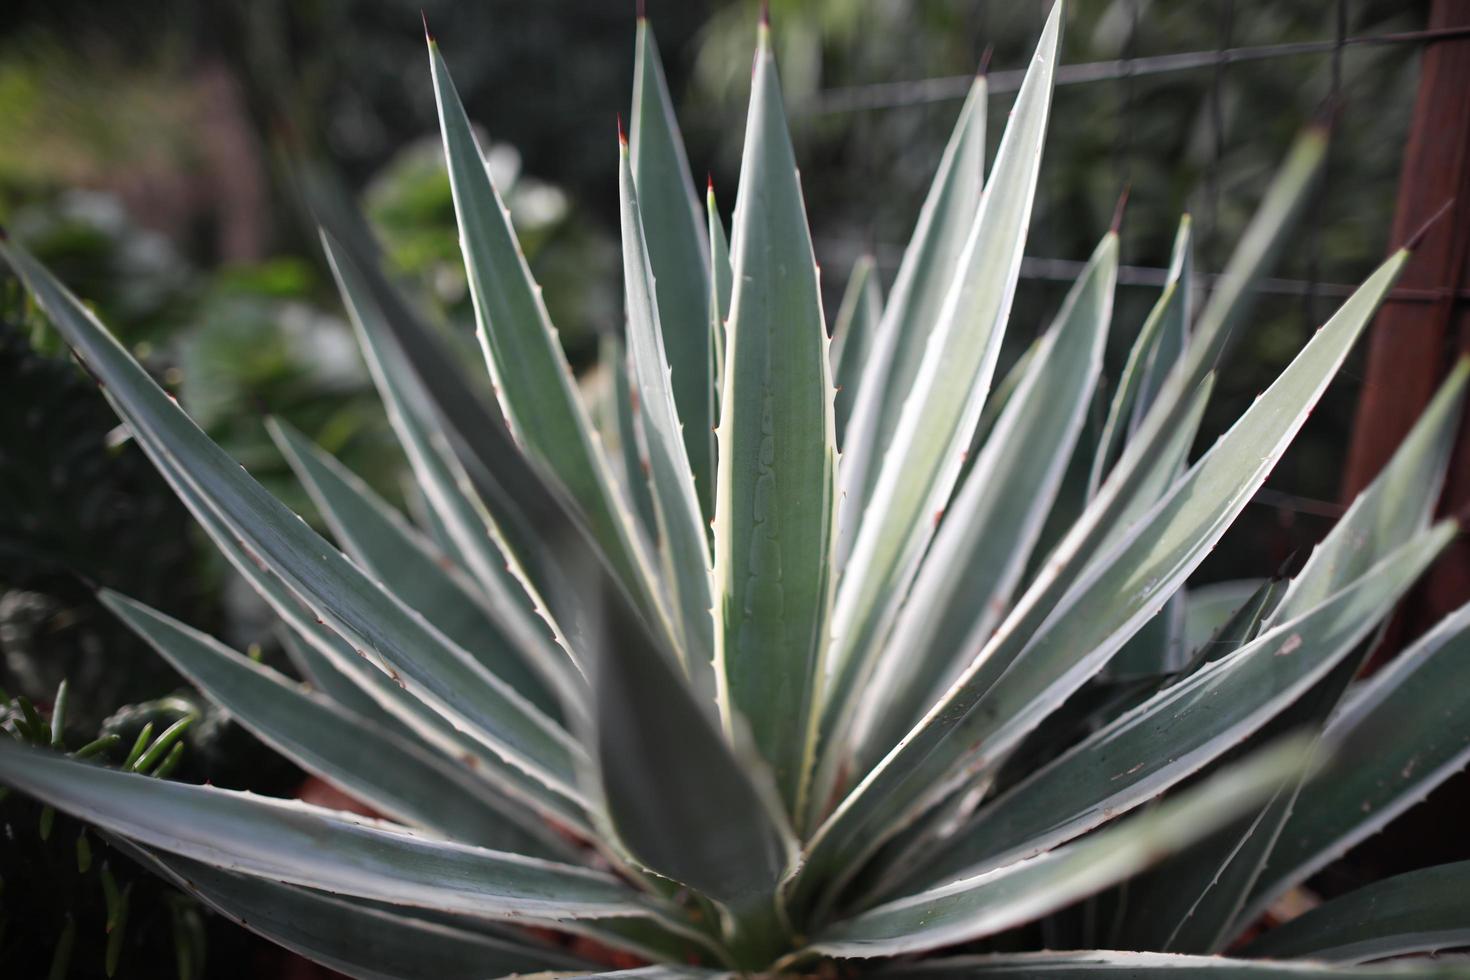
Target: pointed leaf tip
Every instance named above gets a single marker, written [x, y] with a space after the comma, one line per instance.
[622, 132]
[1292, 566]
[1119, 208]
[1416, 239]
[428, 34]
[1325, 118]
[984, 68]
[766, 13]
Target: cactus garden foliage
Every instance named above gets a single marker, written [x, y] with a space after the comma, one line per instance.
[750, 674]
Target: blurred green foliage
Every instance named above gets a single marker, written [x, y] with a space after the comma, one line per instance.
[73, 902]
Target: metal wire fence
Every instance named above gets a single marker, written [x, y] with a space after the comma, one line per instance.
[1316, 276]
[901, 95]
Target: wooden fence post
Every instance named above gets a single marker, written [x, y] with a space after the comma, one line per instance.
[1421, 331]
[1414, 342]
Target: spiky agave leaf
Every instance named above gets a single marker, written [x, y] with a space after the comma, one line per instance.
[542, 672]
[678, 259]
[775, 507]
[919, 469]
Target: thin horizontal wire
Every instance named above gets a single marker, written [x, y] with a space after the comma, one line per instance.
[1297, 504]
[894, 95]
[1067, 270]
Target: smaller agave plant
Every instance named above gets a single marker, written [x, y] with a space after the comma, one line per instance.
[695, 687]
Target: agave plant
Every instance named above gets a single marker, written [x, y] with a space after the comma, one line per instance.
[695, 686]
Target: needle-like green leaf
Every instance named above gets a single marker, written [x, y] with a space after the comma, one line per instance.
[360, 940]
[1398, 737]
[722, 278]
[1154, 353]
[1137, 480]
[1190, 904]
[394, 776]
[853, 334]
[305, 845]
[439, 672]
[683, 540]
[776, 501]
[385, 330]
[526, 362]
[520, 651]
[985, 540]
[458, 443]
[676, 796]
[624, 412]
[1184, 727]
[678, 257]
[1394, 507]
[319, 674]
[1016, 893]
[930, 267]
[919, 468]
[492, 512]
[991, 708]
[335, 659]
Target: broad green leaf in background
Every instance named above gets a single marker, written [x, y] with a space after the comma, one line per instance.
[1224, 616]
[1157, 650]
[683, 540]
[1420, 911]
[919, 468]
[776, 503]
[678, 256]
